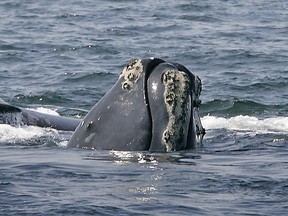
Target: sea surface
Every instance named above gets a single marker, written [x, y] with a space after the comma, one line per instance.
[62, 56]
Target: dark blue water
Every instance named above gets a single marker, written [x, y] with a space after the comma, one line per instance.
[63, 56]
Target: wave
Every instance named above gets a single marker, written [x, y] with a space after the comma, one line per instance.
[247, 123]
[12, 135]
[90, 76]
[234, 107]
[31, 135]
[45, 111]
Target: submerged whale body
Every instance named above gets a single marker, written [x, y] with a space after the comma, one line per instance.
[153, 106]
[17, 116]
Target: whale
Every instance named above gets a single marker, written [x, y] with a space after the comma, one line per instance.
[153, 106]
[17, 116]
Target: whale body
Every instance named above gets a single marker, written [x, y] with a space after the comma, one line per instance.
[154, 106]
[17, 116]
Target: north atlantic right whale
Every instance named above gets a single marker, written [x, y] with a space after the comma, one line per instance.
[17, 116]
[154, 106]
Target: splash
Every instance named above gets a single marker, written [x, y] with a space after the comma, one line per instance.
[21, 133]
[45, 111]
[247, 123]
[10, 134]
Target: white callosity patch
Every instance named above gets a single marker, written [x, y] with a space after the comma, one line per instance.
[176, 96]
[131, 74]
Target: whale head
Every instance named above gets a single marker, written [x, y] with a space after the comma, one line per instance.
[153, 106]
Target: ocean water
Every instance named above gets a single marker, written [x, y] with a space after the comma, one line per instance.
[63, 56]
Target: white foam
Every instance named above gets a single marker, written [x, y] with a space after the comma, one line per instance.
[10, 134]
[246, 123]
[45, 111]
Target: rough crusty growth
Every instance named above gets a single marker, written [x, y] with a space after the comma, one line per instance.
[131, 74]
[176, 96]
